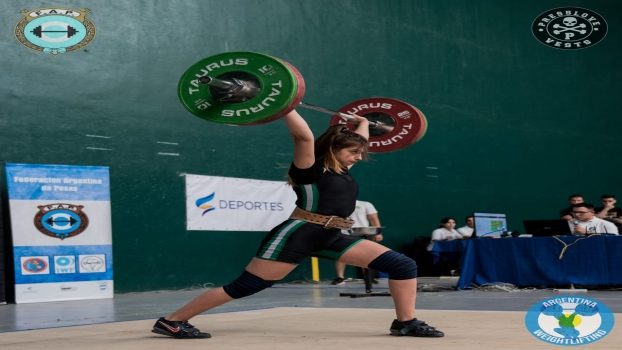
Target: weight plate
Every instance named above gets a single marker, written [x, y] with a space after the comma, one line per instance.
[300, 92]
[403, 123]
[277, 88]
[424, 129]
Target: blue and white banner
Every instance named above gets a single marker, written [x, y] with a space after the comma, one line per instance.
[3, 252]
[61, 229]
[215, 203]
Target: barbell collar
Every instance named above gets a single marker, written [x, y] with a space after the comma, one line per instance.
[234, 90]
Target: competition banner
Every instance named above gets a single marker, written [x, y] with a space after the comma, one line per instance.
[61, 229]
[3, 249]
[216, 203]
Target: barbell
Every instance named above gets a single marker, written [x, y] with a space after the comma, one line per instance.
[248, 88]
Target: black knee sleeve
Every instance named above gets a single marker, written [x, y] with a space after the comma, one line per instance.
[245, 285]
[398, 266]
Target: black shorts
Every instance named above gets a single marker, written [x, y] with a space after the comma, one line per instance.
[294, 240]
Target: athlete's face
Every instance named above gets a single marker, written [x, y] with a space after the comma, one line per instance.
[349, 156]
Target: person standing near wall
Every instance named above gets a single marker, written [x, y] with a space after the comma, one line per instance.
[364, 215]
[566, 213]
[608, 211]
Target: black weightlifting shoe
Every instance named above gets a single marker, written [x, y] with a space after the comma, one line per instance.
[178, 329]
[414, 328]
[338, 281]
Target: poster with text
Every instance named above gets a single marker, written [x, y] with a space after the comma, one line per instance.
[61, 230]
[215, 203]
[3, 250]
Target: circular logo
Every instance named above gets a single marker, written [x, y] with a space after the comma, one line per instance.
[61, 220]
[34, 265]
[569, 320]
[92, 263]
[55, 31]
[63, 261]
[569, 28]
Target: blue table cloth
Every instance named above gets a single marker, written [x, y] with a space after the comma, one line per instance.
[541, 262]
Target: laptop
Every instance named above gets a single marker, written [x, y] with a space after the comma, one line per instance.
[547, 228]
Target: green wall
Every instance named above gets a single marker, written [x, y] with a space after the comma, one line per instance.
[514, 125]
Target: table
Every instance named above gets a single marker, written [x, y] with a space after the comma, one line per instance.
[535, 261]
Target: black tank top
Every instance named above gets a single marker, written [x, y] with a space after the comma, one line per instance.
[324, 192]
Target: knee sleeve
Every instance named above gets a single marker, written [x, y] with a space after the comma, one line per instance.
[245, 285]
[398, 266]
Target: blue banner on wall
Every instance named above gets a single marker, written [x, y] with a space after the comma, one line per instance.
[3, 249]
[61, 230]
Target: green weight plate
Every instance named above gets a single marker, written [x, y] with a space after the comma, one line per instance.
[277, 88]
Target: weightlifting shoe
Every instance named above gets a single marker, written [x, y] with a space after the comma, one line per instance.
[414, 328]
[338, 281]
[178, 329]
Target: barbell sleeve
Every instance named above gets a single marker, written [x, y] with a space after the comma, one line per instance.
[239, 88]
[217, 83]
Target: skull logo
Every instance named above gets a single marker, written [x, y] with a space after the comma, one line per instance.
[570, 21]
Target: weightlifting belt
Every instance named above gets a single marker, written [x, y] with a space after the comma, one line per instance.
[328, 221]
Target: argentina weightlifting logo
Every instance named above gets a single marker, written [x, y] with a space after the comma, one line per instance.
[54, 31]
[569, 28]
[61, 220]
[569, 320]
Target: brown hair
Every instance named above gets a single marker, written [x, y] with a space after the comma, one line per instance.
[334, 139]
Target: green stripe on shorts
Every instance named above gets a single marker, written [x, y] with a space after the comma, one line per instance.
[273, 248]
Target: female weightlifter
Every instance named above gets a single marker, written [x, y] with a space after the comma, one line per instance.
[326, 195]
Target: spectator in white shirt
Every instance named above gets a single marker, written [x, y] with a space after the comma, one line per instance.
[586, 223]
[466, 231]
[445, 232]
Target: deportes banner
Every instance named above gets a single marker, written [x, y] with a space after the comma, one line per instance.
[61, 229]
[216, 203]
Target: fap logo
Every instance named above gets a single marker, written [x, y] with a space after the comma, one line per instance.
[569, 320]
[55, 30]
[61, 220]
[203, 203]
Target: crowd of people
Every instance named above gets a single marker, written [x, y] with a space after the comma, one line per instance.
[583, 219]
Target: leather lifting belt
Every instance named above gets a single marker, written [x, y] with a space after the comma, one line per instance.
[328, 221]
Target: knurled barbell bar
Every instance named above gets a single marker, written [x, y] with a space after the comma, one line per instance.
[247, 88]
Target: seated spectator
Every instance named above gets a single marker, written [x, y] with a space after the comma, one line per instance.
[466, 231]
[609, 211]
[586, 223]
[573, 199]
[445, 232]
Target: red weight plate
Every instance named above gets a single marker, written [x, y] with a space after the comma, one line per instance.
[403, 122]
[299, 93]
[424, 129]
